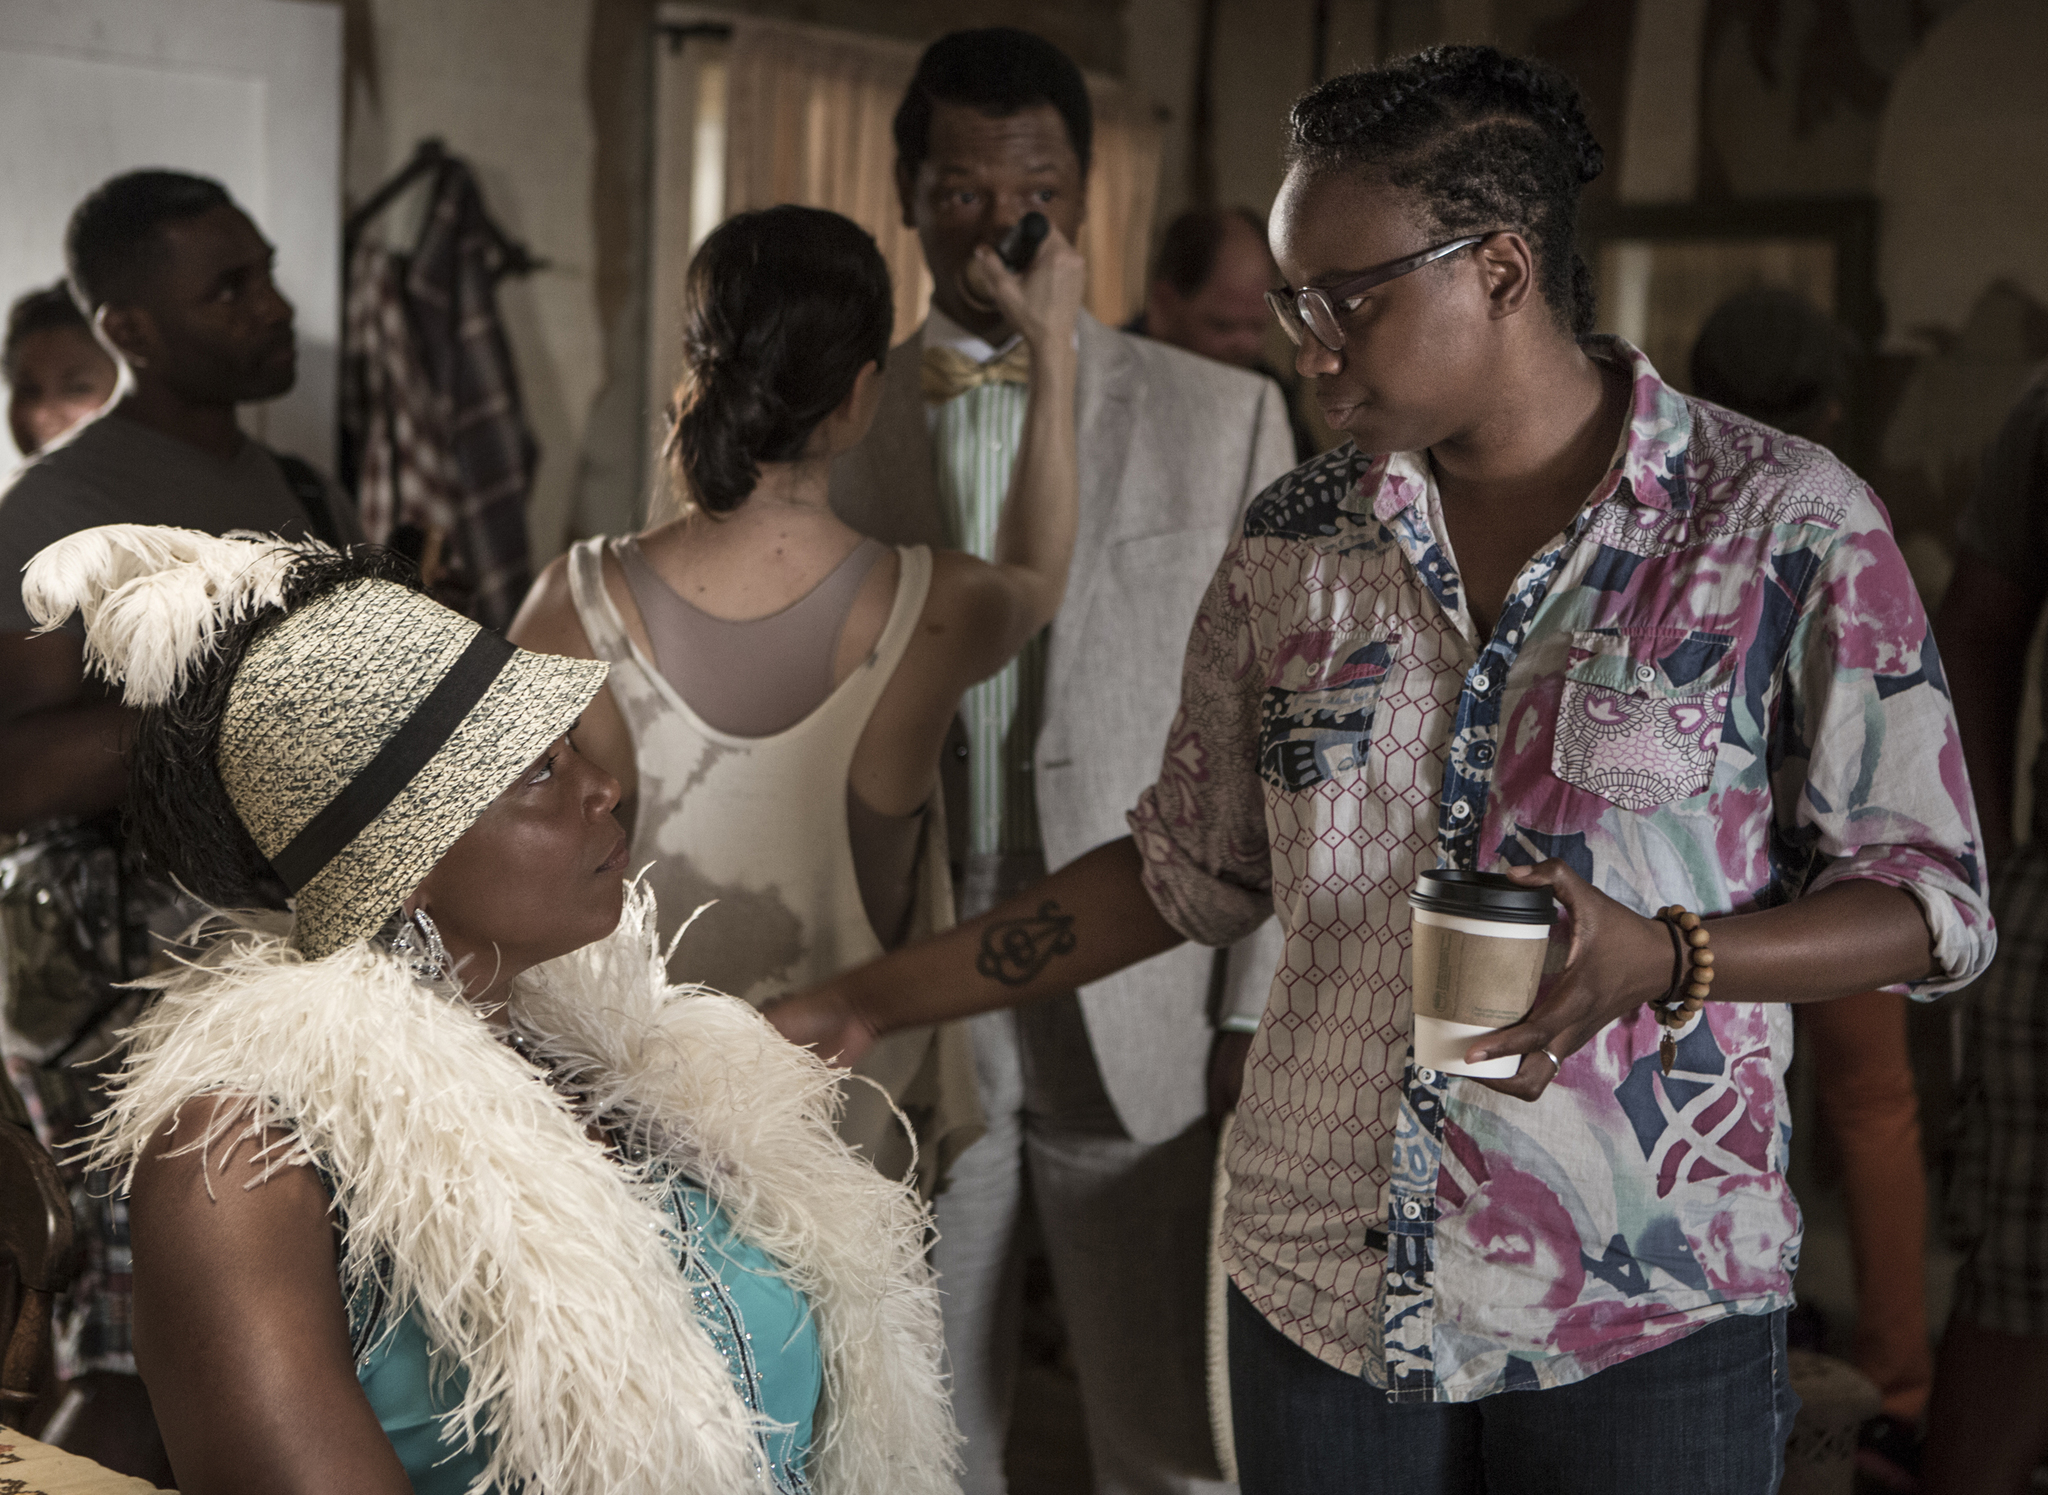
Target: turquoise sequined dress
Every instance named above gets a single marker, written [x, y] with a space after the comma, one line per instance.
[758, 1322]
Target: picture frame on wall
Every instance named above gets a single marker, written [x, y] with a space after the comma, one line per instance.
[1660, 269]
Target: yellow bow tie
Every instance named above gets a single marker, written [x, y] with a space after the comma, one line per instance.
[948, 373]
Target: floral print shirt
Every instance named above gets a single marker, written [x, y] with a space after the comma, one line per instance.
[1716, 688]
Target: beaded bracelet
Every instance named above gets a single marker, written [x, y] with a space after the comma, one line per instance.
[1692, 976]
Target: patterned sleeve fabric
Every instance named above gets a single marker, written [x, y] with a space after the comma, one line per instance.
[1871, 782]
[1714, 687]
[1201, 829]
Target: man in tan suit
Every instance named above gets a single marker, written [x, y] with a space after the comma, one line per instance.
[1104, 1097]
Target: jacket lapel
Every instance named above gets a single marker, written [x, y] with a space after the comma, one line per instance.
[1107, 416]
[888, 485]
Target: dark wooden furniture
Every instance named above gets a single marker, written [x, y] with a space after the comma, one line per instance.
[37, 1243]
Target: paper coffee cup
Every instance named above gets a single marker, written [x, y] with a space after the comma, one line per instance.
[1476, 943]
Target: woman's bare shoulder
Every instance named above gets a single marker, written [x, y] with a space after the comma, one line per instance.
[971, 608]
[214, 1152]
[241, 1332]
[961, 583]
[547, 622]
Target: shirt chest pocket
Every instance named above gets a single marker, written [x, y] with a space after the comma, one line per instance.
[1322, 693]
[1639, 723]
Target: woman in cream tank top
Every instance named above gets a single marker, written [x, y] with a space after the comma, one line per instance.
[781, 686]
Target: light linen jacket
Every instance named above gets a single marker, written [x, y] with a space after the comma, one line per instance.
[1172, 449]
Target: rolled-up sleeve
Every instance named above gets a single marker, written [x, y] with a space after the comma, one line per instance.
[1201, 827]
[1870, 772]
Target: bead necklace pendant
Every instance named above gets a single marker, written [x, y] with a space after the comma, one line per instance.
[1667, 1050]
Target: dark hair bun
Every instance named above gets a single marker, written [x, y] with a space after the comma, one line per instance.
[787, 305]
[1592, 159]
[728, 422]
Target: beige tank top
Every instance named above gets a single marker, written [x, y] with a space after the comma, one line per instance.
[749, 835]
[763, 676]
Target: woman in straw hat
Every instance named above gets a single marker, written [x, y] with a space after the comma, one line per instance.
[440, 1185]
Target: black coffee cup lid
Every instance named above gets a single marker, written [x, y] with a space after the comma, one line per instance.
[1482, 895]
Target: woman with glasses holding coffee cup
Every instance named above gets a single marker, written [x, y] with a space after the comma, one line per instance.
[1546, 627]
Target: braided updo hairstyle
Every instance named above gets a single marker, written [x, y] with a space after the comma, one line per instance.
[1484, 140]
[786, 305]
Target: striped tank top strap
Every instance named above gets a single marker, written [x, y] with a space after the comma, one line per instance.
[913, 585]
[602, 624]
[856, 698]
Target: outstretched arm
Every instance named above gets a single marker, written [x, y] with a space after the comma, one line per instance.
[1089, 920]
[1852, 936]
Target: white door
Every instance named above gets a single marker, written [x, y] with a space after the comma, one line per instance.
[245, 91]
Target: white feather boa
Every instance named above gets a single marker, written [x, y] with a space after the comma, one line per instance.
[540, 1265]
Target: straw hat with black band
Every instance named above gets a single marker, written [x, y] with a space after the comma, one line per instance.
[365, 727]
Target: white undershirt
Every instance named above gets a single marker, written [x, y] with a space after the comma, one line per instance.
[941, 331]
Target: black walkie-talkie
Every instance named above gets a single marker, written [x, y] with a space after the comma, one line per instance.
[1021, 242]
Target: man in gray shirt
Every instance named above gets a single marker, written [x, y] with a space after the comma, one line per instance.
[176, 282]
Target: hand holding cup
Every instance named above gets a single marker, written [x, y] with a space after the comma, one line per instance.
[1618, 960]
[1477, 942]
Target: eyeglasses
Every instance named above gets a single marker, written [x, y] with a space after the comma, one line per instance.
[1314, 309]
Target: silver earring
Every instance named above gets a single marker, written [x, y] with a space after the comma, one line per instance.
[418, 944]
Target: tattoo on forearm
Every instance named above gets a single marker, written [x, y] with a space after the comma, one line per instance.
[1015, 951]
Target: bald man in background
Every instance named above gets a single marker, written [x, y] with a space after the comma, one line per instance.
[1208, 295]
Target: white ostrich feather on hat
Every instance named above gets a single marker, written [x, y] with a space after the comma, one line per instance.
[154, 598]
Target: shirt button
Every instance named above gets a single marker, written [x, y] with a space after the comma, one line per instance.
[1461, 810]
[1426, 1076]
[1482, 683]
[1411, 1210]
[1645, 673]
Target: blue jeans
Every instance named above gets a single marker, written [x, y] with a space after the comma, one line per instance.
[1708, 1415]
